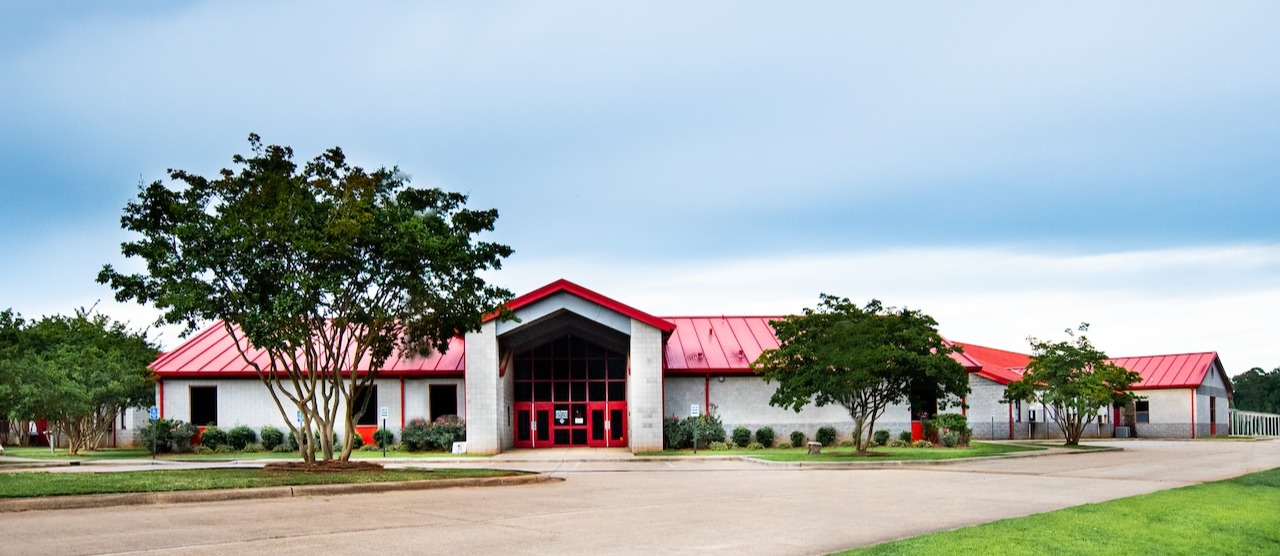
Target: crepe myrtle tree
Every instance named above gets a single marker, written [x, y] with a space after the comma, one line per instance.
[327, 268]
[1074, 381]
[862, 358]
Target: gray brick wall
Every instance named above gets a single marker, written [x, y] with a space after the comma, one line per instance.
[644, 389]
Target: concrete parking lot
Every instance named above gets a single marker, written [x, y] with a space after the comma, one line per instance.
[643, 507]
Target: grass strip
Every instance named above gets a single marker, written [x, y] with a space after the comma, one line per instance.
[36, 483]
[1234, 516]
[977, 449]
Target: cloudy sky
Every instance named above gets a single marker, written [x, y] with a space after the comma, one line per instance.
[1011, 168]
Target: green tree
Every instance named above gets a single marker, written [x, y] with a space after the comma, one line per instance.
[1074, 381]
[862, 358]
[1257, 390]
[326, 268]
[76, 372]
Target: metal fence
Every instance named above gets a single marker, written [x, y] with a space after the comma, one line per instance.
[1253, 423]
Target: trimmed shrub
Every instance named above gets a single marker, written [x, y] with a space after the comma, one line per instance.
[281, 448]
[180, 436]
[718, 446]
[899, 443]
[956, 423]
[201, 450]
[784, 446]
[755, 446]
[797, 439]
[414, 435]
[213, 438]
[383, 437]
[240, 436]
[678, 433]
[223, 449]
[881, 437]
[253, 447]
[905, 436]
[271, 437]
[444, 432]
[709, 429]
[370, 448]
[154, 435]
[675, 434]
[950, 438]
[827, 436]
[356, 441]
[922, 444]
[741, 436]
[764, 435]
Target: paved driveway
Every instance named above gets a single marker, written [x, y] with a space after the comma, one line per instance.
[611, 507]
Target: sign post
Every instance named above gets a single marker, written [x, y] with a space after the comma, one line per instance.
[383, 412]
[694, 413]
[154, 412]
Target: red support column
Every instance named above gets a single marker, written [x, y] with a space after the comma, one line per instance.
[1193, 413]
[160, 402]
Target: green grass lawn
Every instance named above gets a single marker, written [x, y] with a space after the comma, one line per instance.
[1235, 516]
[36, 483]
[142, 453]
[977, 449]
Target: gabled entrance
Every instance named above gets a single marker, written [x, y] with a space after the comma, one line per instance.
[570, 391]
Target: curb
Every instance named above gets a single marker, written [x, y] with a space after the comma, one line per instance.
[898, 464]
[186, 496]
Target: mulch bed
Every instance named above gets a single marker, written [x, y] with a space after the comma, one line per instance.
[331, 466]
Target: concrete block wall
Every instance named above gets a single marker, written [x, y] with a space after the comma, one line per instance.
[484, 392]
[247, 401]
[644, 389]
[744, 401]
[417, 397]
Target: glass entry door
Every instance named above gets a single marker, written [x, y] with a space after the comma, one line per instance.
[570, 392]
[608, 424]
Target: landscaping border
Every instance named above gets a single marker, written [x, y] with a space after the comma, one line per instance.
[218, 495]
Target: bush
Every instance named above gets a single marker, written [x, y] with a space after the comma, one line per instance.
[797, 439]
[444, 432]
[180, 436]
[223, 449]
[718, 446]
[281, 448]
[922, 444]
[741, 436]
[213, 437]
[679, 433]
[905, 436]
[881, 437]
[675, 433]
[764, 435]
[383, 437]
[201, 450]
[899, 443]
[414, 435]
[954, 422]
[784, 446]
[950, 438]
[846, 444]
[826, 436]
[240, 436]
[755, 446]
[356, 441]
[370, 448]
[709, 429]
[252, 447]
[154, 435]
[271, 437]
[315, 441]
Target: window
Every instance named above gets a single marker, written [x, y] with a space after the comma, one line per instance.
[443, 399]
[204, 405]
[1017, 410]
[1142, 410]
[366, 398]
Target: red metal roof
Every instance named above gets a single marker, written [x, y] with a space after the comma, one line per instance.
[566, 286]
[720, 344]
[1186, 370]
[212, 353]
[996, 364]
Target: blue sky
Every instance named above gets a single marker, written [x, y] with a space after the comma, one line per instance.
[1011, 168]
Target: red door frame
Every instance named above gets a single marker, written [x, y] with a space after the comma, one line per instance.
[615, 430]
